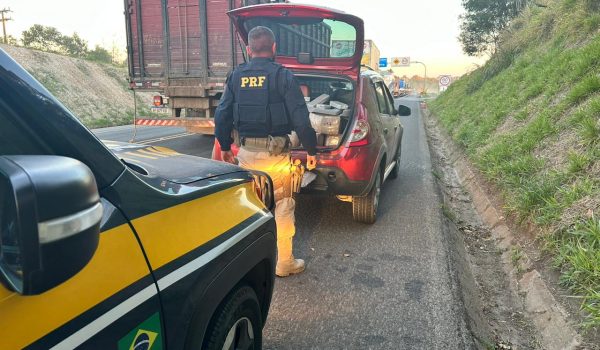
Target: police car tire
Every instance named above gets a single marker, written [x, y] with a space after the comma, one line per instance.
[364, 209]
[238, 305]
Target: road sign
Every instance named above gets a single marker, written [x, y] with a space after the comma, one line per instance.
[445, 80]
[400, 61]
[383, 62]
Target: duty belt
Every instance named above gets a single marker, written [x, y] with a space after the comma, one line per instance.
[275, 145]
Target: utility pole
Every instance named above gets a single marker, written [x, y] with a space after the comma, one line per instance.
[425, 80]
[4, 19]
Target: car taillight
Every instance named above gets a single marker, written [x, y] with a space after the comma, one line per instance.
[158, 101]
[360, 131]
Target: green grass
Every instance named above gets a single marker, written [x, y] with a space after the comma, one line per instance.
[578, 162]
[104, 122]
[590, 130]
[516, 254]
[578, 259]
[584, 89]
[543, 85]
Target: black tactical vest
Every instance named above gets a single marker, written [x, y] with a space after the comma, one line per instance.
[259, 109]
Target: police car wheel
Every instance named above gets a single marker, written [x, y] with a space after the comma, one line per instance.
[364, 209]
[236, 324]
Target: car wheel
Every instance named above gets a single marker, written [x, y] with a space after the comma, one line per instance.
[237, 323]
[396, 170]
[364, 209]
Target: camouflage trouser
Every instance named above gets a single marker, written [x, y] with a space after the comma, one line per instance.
[279, 169]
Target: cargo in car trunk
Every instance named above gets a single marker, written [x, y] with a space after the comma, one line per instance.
[330, 101]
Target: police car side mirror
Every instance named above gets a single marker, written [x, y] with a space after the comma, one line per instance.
[50, 215]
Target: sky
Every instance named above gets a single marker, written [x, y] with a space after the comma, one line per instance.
[424, 30]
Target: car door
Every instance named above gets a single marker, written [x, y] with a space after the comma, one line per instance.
[112, 303]
[394, 119]
[386, 118]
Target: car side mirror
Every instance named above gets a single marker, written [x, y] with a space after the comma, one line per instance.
[403, 111]
[50, 215]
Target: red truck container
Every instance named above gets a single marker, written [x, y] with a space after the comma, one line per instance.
[184, 50]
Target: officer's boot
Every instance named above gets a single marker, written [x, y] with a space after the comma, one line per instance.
[286, 263]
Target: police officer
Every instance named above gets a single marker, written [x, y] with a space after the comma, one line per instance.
[264, 104]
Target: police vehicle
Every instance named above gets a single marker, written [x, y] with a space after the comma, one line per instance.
[140, 248]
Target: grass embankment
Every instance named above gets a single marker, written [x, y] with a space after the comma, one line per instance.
[529, 119]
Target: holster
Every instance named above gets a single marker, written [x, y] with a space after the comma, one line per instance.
[297, 174]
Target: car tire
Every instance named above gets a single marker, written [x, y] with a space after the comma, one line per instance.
[364, 209]
[237, 323]
[396, 170]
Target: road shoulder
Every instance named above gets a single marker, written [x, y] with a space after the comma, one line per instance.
[518, 309]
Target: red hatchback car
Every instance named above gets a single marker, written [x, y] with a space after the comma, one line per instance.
[359, 130]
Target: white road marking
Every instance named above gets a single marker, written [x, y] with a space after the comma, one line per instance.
[164, 138]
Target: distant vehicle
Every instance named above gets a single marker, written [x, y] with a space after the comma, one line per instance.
[359, 129]
[399, 87]
[138, 248]
[371, 55]
[184, 50]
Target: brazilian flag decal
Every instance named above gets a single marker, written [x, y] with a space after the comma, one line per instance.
[146, 336]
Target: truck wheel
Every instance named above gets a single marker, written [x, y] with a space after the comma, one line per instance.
[364, 209]
[236, 324]
[396, 170]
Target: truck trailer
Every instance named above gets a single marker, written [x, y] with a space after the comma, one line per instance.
[183, 50]
[371, 55]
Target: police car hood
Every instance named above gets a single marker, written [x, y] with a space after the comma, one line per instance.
[167, 164]
[339, 50]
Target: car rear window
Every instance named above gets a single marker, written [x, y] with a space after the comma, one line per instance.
[323, 38]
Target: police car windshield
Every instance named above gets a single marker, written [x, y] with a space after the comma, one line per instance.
[322, 38]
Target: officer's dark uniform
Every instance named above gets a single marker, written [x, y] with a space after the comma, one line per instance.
[264, 103]
[262, 98]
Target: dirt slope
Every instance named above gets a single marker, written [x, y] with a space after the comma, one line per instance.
[96, 93]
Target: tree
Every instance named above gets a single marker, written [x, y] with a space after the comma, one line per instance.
[483, 23]
[11, 40]
[74, 46]
[49, 39]
[42, 38]
[100, 54]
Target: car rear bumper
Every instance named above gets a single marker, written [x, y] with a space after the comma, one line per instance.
[334, 181]
[348, 171]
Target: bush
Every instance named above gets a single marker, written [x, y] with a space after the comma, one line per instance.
[99, 54]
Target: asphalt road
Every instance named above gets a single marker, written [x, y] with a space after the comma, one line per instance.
[171, 137]
[384, 286]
